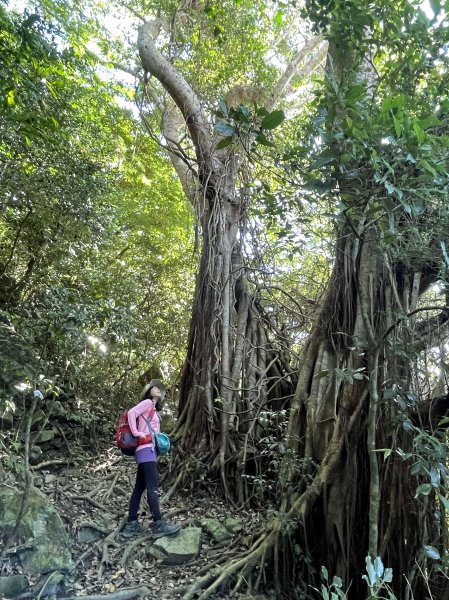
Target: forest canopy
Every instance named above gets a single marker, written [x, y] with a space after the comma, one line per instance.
[248, 199]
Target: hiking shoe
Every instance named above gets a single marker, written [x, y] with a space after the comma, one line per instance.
[133, 528]
[161, 528]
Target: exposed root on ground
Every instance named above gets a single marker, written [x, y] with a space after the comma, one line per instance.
[110, 541]
[249, 567]
[123, 594]
[239, 569]
[93, 505]
[131, 548]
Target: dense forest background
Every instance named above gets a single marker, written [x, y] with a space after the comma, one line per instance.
[249, 200]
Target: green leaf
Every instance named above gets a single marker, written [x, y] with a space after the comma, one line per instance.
[407, 425]
[389, 187]
[424, 489]
[225, 142]
[435, 477]
[278, 17]
[379, 566]
[321, 161]
[424, 164]
[370, 571]
[225, 128]
[223, 107]
[262, 139]
[397, 126]
[10, 98]
[445, 502]
[386, 451]
[337, 582]
[432, 552]
[355, 91]
[436, 6]
[273, 119]
[418, 469]
[420, 133]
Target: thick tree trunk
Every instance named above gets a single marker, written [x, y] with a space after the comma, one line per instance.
[232, 371]
[348, 500]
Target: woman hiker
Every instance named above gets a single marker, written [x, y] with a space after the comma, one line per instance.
[139, 418]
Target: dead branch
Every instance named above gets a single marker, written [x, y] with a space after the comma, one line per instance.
[91, 500]
[49, 463]
[101, 542]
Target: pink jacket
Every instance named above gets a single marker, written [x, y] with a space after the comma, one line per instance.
[137, 423]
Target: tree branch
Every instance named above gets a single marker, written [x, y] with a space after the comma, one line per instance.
[178, 88]
[292, 68]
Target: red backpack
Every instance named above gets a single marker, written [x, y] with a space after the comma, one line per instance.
[124, 438]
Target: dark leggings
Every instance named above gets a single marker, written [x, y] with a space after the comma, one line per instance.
[147, 478]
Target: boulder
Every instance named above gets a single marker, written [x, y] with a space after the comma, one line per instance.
[47, 543]
[13, 585]
[234, 525]
[177, 549]
[215, 529]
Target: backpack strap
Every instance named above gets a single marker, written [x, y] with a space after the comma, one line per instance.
[148, 422]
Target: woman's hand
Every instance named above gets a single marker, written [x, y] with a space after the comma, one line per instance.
[144, 438]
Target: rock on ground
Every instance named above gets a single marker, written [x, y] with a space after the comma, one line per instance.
[12, 586]
[47, 542]
[177, 549]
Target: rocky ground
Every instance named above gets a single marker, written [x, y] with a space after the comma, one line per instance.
[91, 496]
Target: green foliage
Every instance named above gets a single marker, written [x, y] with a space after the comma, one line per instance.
[377, 579]
[249, 127]
[93, 226]
[331, 590]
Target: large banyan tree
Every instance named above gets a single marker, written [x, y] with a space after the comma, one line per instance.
[364, 476]
[232, 370]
